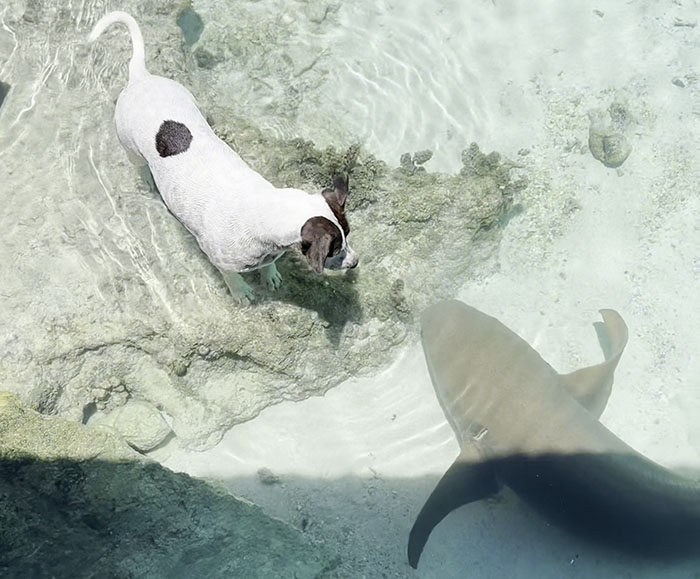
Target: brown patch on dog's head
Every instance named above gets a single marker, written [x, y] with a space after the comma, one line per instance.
[320, 239]
[336, 198]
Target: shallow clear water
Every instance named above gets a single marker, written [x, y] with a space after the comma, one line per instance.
[352, 468]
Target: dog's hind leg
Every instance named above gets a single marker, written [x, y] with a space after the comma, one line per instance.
[270, 276]
[239, 289]
[147, 176]
[144, 171]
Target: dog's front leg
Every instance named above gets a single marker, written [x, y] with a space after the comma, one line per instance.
[239, 289]
[270, 276]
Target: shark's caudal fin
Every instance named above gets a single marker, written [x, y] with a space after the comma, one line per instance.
[468, 479]
[592, 386]
[137, 64]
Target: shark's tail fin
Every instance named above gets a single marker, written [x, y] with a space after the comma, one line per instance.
[137, 64]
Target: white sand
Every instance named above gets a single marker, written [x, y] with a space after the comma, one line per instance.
[357, 464]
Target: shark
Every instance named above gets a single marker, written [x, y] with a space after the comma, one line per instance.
[521, 424]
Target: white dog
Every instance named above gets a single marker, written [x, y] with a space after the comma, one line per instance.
[240, 220]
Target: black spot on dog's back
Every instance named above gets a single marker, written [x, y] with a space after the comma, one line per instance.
[172, 138]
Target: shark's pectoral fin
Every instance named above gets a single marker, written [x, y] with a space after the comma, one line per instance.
[592, 386]
[469, 479]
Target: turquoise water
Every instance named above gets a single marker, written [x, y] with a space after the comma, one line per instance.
[315, 402]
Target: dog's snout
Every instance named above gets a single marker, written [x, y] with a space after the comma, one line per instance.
[351, 260]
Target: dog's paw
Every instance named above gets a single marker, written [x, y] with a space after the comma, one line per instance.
[271, 277]
[243, 296]
[241, 292]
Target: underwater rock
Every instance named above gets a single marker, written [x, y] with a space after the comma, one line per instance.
[608, 135]
[106, 297]
[317, 12]
[267, 477]
[206, 59]
[421, 157]
[191, 25]
[138, 422]
[678, 81]
[412, 163]
[78, 502]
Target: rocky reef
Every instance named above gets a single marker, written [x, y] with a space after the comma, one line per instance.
[76, 501]
[107, 298]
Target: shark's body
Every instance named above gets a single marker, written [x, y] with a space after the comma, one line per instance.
[522, 424]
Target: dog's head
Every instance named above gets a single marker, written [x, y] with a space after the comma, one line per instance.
[324, 242]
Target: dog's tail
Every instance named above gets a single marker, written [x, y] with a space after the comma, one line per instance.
[137, 64]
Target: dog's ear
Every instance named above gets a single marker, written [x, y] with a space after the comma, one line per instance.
[319, 239]
[317, 253]
[338, 195]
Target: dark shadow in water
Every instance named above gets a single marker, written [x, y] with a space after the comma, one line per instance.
[606, 514]
[620, 501]
[80, 519]
[89, 410]
[98, 519]
[332, 295]
[4, 90]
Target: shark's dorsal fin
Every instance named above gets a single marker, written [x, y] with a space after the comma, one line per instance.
[469, 479]
[592, 386]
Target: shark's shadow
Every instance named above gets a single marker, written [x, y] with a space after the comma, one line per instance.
[638, 515]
